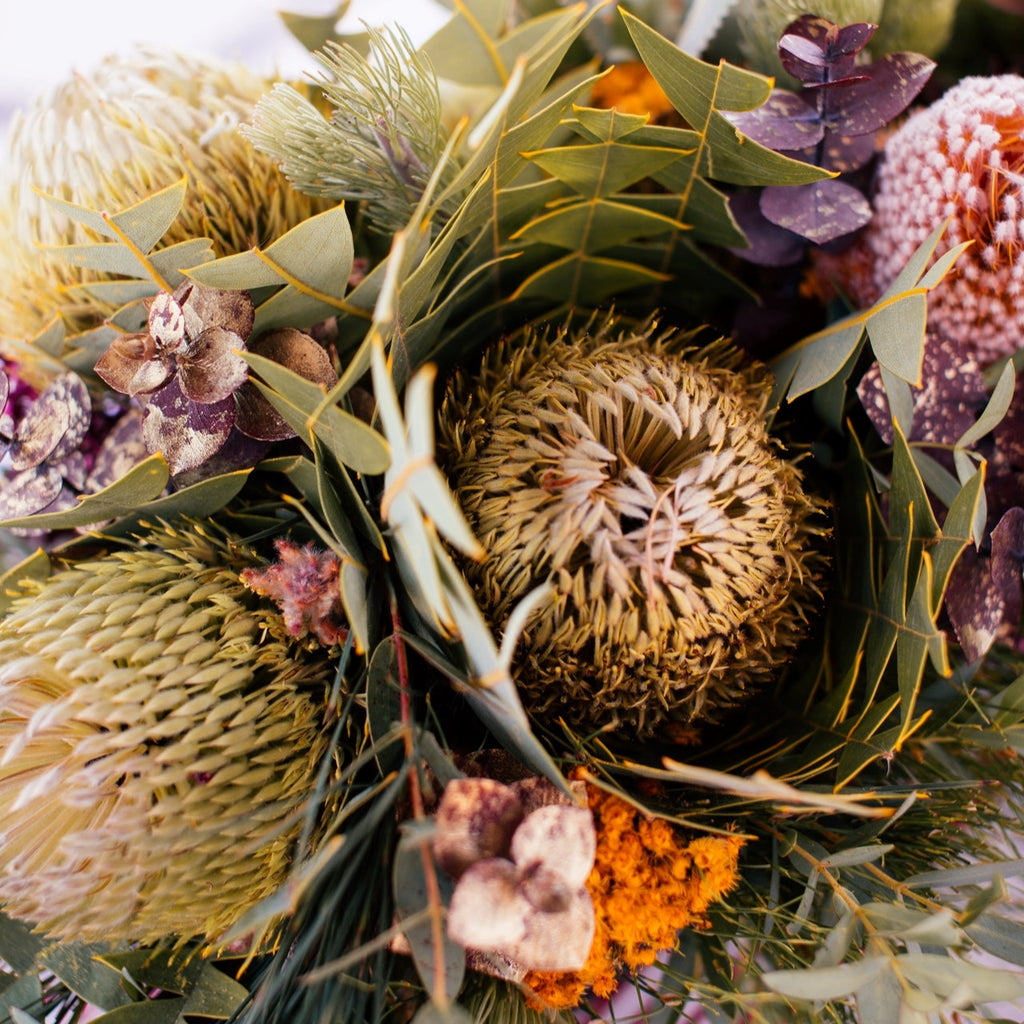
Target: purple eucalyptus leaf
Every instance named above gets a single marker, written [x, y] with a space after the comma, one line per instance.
[29, 491]
[946, 404]
[166, 323]
[237, 452]
[785, 121]
[40, 431]
[213, 370]
[975, 608]
[1009, 434]
[120, 450]
[69, 391]
[815, 49]
[769, 245]
[1008, 563]
[186, 433]
[5, 389]
[819, 212]
[844, 153]
[214, 307]
[888, 88]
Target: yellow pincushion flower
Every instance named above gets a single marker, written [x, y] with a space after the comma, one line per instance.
[155, 744]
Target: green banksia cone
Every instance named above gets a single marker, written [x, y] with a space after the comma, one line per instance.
[107, 140]
[642, 483]
[157, 736]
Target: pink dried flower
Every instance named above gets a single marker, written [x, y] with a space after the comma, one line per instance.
[303, 582]
[962, 158]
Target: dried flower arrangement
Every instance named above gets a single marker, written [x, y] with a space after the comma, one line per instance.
[525, 525]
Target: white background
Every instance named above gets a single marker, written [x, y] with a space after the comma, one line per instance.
[42, 43]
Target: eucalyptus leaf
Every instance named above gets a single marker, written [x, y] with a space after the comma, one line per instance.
[440, 962]
[897, 333]
[26, 991]
[149, 1011]
[824, 983]
[998, 405]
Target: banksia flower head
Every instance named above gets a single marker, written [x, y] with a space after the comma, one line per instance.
[108, 139]
[962, 158]
[157, 732]
[643, 485]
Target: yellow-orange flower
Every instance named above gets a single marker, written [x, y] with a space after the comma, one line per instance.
[648, 882]
[631, 89]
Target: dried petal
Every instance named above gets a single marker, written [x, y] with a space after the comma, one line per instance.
[167, 323]
[213, 371]
[187, 433]
[557, 942]
[122, 448]
[487, 911]
[475, 820]
[29, 491]
[301, 354]
[560, 838]
[131, 365]
[214, 307]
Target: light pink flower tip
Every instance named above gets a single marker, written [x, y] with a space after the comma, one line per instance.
[962, 158]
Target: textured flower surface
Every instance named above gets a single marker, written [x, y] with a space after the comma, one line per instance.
[105, 140]
[643, 485]
[521, 854]
[648, 881]
[960, 159]
[153, 744]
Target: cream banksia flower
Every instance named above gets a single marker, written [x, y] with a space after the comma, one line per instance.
[108, 139]
[642, 483]
[961, 159]
[157, 735]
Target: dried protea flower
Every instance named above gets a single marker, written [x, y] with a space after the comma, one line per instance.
[643, 486]
[157, 735]
[107, 139]
[960, 159]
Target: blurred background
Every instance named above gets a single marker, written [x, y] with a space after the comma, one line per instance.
[43, 43]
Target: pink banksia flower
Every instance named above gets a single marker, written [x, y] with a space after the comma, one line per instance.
[960, 159]
[303, 582]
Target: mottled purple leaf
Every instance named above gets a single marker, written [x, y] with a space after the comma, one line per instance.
[769, 245]
[951, 394]
[214, 307]
[1009, 433]
[212, 370]
[819, 212]
[121, 449]
[813, 49]
[186, 433]
[132, 366]
[69, 392]
[844, 153]
[237, 452]
[38, 434]
[1008, 562]
[29, 491]
[785, 121]
[166, 323]
[5, 389]
[888, 88]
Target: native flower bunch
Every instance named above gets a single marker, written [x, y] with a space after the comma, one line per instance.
[453, 601]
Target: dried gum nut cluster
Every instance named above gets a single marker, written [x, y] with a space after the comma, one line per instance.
[521, 854]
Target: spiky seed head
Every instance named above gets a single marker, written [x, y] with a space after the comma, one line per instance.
[157, 735]
[106, 140]
[643, 485]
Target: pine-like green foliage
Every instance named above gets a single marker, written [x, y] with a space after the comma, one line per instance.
[382, 138]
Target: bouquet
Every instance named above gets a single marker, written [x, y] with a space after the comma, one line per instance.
[525, 527]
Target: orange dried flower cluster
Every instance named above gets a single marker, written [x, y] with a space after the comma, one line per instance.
[648, 882]
[631, 89]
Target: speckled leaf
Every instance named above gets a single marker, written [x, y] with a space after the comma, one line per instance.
[185, 432]
[890, 87]
[785, 121]
[140, 485]
[213, 370]
[820, 211]
[29, 491]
